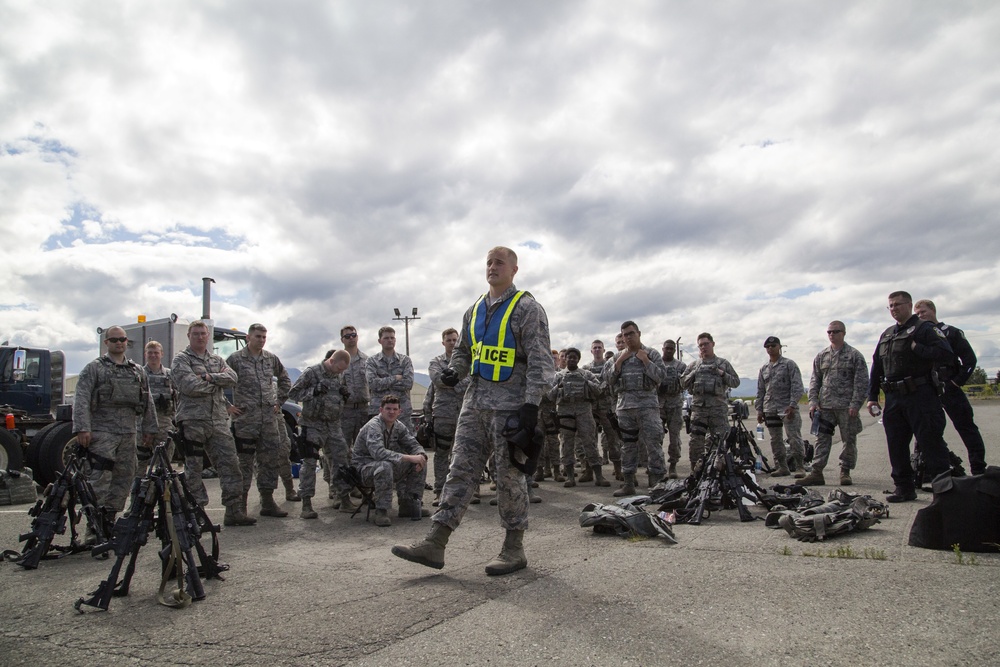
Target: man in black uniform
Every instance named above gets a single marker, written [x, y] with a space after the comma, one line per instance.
[903, 366]
[953, 375]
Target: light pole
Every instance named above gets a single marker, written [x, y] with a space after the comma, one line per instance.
[406, 320]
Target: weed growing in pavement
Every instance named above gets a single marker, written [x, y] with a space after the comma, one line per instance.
[962, 559]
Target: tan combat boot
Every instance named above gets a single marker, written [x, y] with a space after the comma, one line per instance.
[307, 510]
[588, 474]
[511, 557]
[815, 478]
[672, 471]
[235, 516]
[628, 488]
[268, 507]
[382, 519]
[845, 477]
[430, 550]
[291, 495]
[345, 504]
[570, 477]
[599, 477]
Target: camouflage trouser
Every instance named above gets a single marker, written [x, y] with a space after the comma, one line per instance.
[403, 476]
[641, 429]
[352, 418]
[577, 430]
[706, 419]
[144, 454]
[285, 464]
[477, 437]
[673, 421]
[776, 423]
[112, 487]
[215, 439]
[444, 441]
[849, 429]
[328, 437]
[259, 448]
[610, 442]
[549, 422]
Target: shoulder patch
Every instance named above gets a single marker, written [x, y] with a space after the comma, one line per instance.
[939, 332]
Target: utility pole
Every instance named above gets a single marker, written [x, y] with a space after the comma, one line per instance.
[406, 320]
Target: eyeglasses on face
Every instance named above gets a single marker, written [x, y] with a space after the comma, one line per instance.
[120, 339]
[350, 335]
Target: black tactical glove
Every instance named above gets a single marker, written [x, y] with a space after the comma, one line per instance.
[449, 378]
[528, 417]
[345, 392]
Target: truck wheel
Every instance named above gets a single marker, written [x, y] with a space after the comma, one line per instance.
[50, 445]
[11, 457]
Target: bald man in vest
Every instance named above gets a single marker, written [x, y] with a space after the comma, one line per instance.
[505, 348]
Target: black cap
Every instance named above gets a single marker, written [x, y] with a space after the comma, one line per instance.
[772, 340]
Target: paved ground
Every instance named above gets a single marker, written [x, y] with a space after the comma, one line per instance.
[328, 592]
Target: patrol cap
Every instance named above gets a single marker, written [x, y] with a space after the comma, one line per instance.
[772, 340]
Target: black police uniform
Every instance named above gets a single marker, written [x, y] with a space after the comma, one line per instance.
[912, 406]
[954, 400]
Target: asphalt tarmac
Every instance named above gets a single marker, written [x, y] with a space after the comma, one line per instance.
[328, 592]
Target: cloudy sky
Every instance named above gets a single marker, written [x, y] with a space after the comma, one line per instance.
[745, 168]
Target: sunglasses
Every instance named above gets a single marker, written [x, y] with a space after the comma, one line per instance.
[121, 339]
[834, 331]
[350, 335]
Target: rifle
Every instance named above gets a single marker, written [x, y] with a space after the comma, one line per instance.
[50, 514]
[737, 485]
[707, 487]
[129, 535]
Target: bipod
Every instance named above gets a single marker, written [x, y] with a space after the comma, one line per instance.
[744, 446]
[66, 500]
[159, 502]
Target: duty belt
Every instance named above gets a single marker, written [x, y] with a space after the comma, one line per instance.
[905, 386]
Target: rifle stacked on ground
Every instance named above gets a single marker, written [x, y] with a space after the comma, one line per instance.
[721, 479]
[160, 503]
[68, 500]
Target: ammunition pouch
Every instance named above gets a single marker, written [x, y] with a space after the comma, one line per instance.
[189, 448]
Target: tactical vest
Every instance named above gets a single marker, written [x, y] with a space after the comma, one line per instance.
[898, 359]
[949, 371]
[707, 381]
[633, 376]
[574, 387]
[161, 389]
[121, 386]
[493, 343]
[326, 406]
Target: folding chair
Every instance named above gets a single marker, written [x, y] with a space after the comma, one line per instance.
[352, 476]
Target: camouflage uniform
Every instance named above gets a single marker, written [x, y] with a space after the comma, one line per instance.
[839, 382]
[575, 393]
[378, 455]
[355, 413]
[204, 423]
[256, 428]
[318, 391]
[111, 400]
[638, 409]
[548, 418]
[164, 396]
[485, 410]
[779, 387]
[381, 372]
[709, 407]
[603, 408]
[442, 405]
[671, 398]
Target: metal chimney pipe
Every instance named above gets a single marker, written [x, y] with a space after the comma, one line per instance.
[206, 298]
